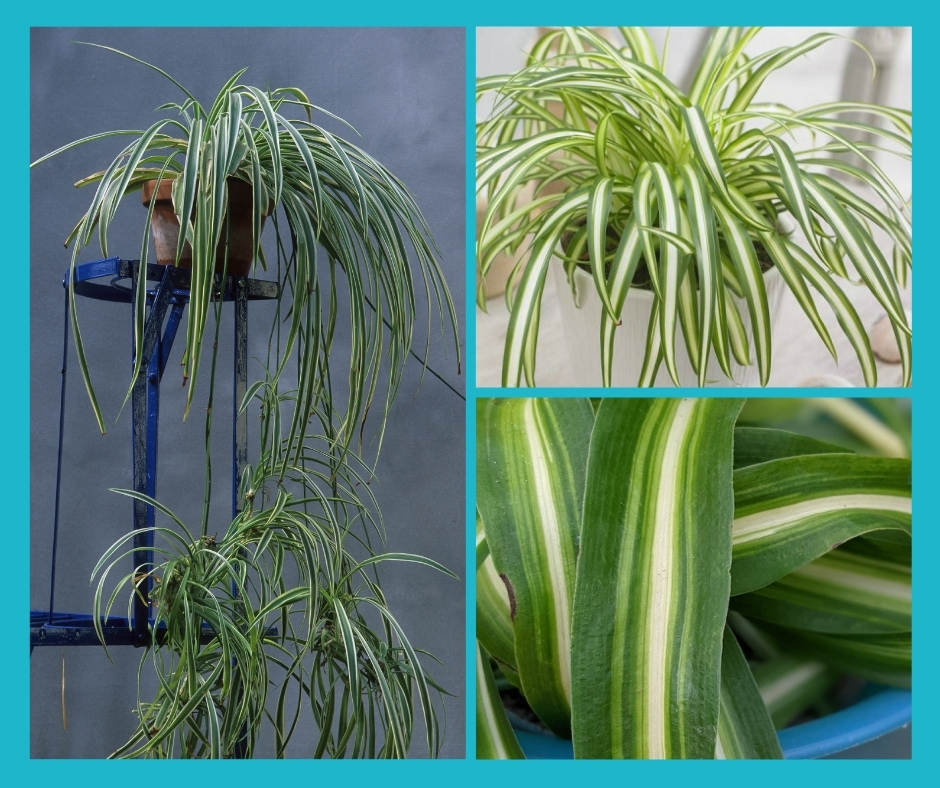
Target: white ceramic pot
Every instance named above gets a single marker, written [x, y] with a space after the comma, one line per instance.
[581, 318]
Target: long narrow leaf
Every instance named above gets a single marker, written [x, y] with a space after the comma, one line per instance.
[652, 584]
[745, 729]
[840, 592]
[531, 460]
[495, 738]
[793, 510]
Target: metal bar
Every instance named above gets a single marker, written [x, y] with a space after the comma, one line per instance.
[169, 334]
[58, 464]
[239, 420]
[116, 269]
[78, 629]
[51, 635]
[144, 402]
[115, 634]
[239, 426]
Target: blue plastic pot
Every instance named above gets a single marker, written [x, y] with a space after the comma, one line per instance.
[882, 712]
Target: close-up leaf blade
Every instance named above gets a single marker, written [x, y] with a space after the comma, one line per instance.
[793, 510]
[654, 569]
[745, 729]
[495, 737]
[841, 592]
[531, 456]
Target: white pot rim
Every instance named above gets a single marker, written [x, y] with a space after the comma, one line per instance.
[581, 313]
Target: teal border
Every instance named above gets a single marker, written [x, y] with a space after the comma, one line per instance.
[14, 657]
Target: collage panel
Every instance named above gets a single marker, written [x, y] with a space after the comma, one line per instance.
[696, 578]
[694, 207]
[269, 540]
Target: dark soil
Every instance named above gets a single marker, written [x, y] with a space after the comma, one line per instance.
[641, 278]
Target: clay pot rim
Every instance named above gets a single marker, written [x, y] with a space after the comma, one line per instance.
[242, 191]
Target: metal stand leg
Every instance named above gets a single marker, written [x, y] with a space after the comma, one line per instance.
[240, 426]
[145, 402]
[240, 420]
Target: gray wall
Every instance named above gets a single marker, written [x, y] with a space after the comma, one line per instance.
[403, 90]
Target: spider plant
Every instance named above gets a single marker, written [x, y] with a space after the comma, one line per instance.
[684, 193]
[658, 567]
[269, 624]
[277, 616]
[345, 212]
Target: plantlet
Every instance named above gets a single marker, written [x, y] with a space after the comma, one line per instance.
[270, 623]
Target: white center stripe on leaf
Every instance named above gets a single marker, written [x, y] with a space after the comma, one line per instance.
[790, 681]
[661, 577]
[719, 750]
[489, 712]
[552, 538]
[496, 582]
[761, 524]
[858, 580]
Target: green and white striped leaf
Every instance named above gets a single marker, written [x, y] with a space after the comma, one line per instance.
[745, 729]
[770, 62]
[711, 58]
[652, 583]
[494, 620]
[861, 249]
[794, 279]
[706, 154]
[531, 460]
[495, 738]
[702, 221]
[882, 658]
[845, 313]
[622, 270]
[523, 323]
[754, 445]
[793, 510]
[670, 271]
[598, 212]
[793, 185]
[788, 685]
[495, 163]
[744, 257]
[894, 546]
[840, 592]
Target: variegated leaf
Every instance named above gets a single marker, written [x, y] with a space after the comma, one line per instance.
[793, 510]
[745, 729]
[531, 460]
[495, 738]
[652, 584]
[840, 592]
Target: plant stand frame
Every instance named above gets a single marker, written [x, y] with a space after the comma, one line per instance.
[166, 301]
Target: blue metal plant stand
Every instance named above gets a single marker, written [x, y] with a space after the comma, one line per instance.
[114, 279]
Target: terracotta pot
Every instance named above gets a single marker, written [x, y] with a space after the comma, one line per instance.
[166, 228]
